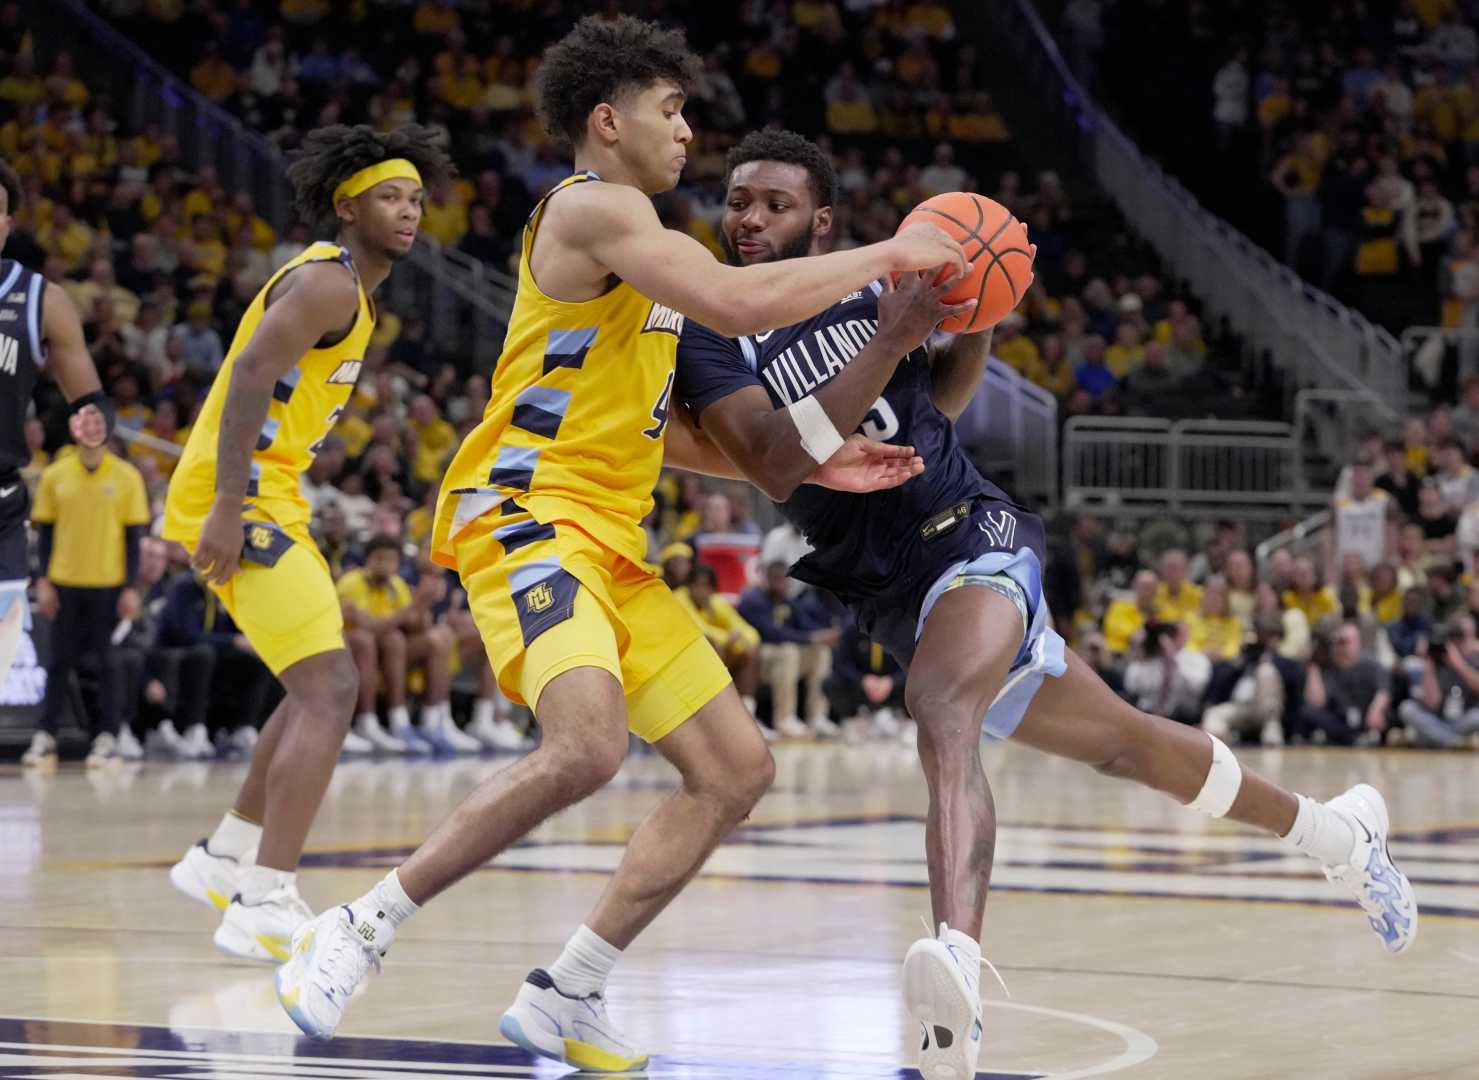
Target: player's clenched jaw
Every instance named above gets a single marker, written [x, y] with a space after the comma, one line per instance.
[770, 214]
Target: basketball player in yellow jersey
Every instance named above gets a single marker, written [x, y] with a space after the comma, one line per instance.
[234, 501]
[540, 513]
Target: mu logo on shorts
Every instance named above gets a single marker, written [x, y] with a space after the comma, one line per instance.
[1000, 527]
[539, 598]
[260, 537]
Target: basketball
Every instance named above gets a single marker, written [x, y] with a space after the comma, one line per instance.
[996, 244]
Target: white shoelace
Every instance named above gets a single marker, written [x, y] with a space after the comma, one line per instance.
[349, 955]
[980, 959]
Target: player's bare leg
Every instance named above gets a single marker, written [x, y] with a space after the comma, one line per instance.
[725, 767]
[968, 644]
[1077, 716]
[970, 639]
[251, 861]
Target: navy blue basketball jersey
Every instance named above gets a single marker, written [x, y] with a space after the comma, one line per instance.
[21, 358]
[875, 548]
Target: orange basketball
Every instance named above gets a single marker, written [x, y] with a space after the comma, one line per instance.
[995, 242]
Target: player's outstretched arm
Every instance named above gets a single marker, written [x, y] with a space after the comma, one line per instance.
[71, 366]
[313, 301]
[619, 229]
[779, 449]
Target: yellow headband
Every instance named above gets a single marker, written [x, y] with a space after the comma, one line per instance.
[365, 179]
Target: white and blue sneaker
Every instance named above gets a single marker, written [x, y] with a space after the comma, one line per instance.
[574, 1030]
[1381, 889]
[943, 996]
[417, 744]
[332, 957]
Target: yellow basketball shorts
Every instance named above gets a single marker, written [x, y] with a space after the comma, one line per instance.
[549, 598]
[283, 597]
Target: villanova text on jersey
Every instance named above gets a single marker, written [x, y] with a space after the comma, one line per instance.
[868, 548]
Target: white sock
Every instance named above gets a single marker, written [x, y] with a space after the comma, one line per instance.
[399, 716]
[431, 717]
[257, 881]
[234, 837]
[749, 704]
[383, 909]
[366, 719]
[585, 965]
[484, 711]
[1321, 833]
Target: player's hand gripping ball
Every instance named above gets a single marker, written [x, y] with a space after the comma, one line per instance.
[996, 244]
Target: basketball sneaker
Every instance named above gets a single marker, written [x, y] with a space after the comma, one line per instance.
[355, 746]
[943, 996]
[575, 1030]
[42, 751]
[209, 879]
[791, 727]
[416, 744]
[823, 726]
[331, 958]
[500, 734]
[128, 745]
[368, 727]
[104, 749]
[263, 932]
[1382, 890]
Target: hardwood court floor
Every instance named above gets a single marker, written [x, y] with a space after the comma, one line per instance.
[1136, 938]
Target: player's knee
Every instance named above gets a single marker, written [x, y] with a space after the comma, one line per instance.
[943, 709]
[756, 772]
[334, 688]
[441, 640]
[591, 762]
[392, 640]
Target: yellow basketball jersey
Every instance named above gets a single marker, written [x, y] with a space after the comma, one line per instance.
[306, 402]
[574, 424]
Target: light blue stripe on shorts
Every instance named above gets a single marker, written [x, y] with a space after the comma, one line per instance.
[1042, 652]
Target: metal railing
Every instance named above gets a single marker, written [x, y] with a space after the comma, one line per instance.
[1144, 467]
[1305, 538]
[466, 303]
[1331, 421]
[1318, 340]
[1011, 427]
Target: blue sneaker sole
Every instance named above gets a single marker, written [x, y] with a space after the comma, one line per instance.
[513, 1031]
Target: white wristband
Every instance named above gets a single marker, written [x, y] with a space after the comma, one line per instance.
[819, 437]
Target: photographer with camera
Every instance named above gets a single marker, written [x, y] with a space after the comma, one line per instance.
[1166, 677]
[1261, 691]
[1443, 709]
[1346, 694]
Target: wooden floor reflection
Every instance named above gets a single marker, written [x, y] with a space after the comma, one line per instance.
[1136, 938]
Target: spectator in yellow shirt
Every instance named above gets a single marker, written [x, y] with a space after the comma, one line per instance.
[1386, 597]
[66, 237]
[213, 76]
[1126, 618]
[1177, 599]
[435, 439]
[1215, 630]
[22, 86]
[736, 641]
[1308, 595]
[1056, 373]
[1013, 347]
[1128, 351]
[389, 630]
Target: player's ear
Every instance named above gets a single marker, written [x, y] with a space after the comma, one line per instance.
[821, 221]
[603, 123]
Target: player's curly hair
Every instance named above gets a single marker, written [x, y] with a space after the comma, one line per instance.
[331, 155]
[10, 181]
[788, 148]
[600, 59]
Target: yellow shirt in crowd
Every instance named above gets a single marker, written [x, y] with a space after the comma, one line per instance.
[90, 509]
[1221, 636]
[719, 620]
[1181, 607]
[376, 601]
[1316, 606]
